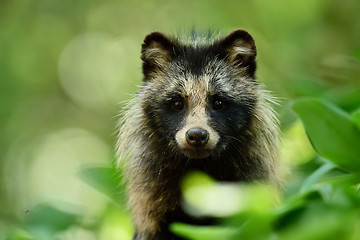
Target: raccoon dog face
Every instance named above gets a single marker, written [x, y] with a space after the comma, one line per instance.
[199, 97]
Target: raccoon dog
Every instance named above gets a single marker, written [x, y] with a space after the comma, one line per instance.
[200, 108]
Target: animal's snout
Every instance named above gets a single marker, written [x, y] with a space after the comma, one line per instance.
[197, 137]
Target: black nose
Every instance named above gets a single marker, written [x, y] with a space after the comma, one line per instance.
[197, 137]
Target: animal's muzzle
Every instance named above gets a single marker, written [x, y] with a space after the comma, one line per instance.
[197, 137]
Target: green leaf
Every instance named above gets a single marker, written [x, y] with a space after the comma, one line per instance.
[316, 176]
[331, 131]
[51, 217]
[44, 221]
[356, 118]
[203, 232]
[104, 179]
[18, 234]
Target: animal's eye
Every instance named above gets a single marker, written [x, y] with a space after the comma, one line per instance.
[218, 104]
[177, 105]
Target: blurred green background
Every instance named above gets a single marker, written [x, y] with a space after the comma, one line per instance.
[67, 66]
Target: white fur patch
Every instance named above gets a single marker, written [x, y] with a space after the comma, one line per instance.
[243, 50]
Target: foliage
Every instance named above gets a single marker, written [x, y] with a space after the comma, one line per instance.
[65, 66]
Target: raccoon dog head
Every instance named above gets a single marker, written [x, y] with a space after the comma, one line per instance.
[199, 95]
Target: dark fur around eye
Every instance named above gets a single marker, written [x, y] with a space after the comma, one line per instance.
[177, 104]
[218, 103]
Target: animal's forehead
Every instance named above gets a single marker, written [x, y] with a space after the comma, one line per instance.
[196, 59]
[197, 85]
[200, 86]
[215, 77]
[205, 74]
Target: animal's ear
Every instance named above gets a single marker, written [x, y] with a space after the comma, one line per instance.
[156, 52]
[240, 50]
